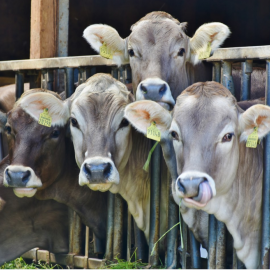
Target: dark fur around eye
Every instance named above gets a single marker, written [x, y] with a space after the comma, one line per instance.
[55, 134]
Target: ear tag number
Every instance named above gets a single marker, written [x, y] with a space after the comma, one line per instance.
[205, 52]
[45, 119]
[252, 139]
[105, 52]
[153, 132]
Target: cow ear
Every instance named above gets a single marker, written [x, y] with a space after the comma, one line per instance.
[255, 116]
[142, 113]
[98, 34]
[213, 34]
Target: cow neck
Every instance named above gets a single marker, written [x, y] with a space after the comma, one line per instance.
[240, 207]
[134, 184]
[88, 204]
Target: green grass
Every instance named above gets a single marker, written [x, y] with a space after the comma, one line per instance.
[19, 263]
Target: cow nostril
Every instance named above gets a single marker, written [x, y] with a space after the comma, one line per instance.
[107, 170]
[163, 89]
[181, 187]
[26, 176]
[87, 169]
[143, 89]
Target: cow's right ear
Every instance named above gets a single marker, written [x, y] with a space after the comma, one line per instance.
[98, 34]
[142, 113]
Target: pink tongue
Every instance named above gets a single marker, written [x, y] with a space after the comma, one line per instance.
[206, 192]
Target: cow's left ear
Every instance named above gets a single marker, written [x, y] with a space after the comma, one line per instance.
[142, 113]
[209, 34]
[255, 116]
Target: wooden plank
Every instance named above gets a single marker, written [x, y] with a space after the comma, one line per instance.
[43, 36]
[61, 62]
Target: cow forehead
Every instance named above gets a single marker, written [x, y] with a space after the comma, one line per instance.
[156, 32]
[196, 116]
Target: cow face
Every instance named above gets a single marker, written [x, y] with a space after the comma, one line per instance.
[35, 151]
[207, 128]
[158, 51]
[100, 134]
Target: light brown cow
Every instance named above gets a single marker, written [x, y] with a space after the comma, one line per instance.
[162, 57]
[111, 154]
[217, 172]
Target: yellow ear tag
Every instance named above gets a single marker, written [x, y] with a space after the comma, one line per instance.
[45, 119]
[105, 52]
[252, 139]
[205, 53]
[153, 132]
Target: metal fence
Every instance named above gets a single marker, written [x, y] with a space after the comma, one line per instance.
[222, 61]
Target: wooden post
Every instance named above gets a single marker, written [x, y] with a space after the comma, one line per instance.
[44, 20]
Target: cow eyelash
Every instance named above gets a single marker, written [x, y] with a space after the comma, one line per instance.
[227, 137]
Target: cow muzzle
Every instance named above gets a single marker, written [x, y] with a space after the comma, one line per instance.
[23, 180]
[196, 190]
[98, 173]
[157, 90]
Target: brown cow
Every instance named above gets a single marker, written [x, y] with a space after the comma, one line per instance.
[163, 59]
[42, 159]
[111, 154]
[29, 223]
[217, 172]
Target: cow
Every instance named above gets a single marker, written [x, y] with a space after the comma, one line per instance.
[29, 223]
[216, 171]
[42, 162]
[111, 154]
[163, 59]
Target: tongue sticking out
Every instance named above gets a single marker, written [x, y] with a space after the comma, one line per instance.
[203, 197]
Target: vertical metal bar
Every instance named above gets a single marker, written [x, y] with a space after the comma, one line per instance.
[114, 72]
[227, 80]
[69, 82]
[154, 205]
[98, 244]
[266, 185]
[185, 241]
[140, 244]
[86, 250]
[118, 226]
[212, 240]
[221, 246]
[173, 218]
[81, 78]
[129, 234]
[216, 72]
[1, 148]
[33, 79]
[90, 72]
[47, 79]
[19, 81]
[195, 252]
[246, 79]
[128, 75]
[110, 223]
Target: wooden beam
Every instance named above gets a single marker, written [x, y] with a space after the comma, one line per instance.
[44, 20]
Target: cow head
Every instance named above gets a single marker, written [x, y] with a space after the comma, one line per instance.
[207, 129]
[33, 148]
[100, 134]
[158, 51]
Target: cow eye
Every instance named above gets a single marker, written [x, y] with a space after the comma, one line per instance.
[124, 123]
[181, 52]
[73, 122]
[175, 136]
[227, 137]
[131, 52]
[8, 129]
[55, 134]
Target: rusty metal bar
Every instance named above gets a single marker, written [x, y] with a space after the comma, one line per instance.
[246, 79]
[221, 246]
[265, 243]
[110, 225]
[19, 82]
[227, 80]
[154, 205]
